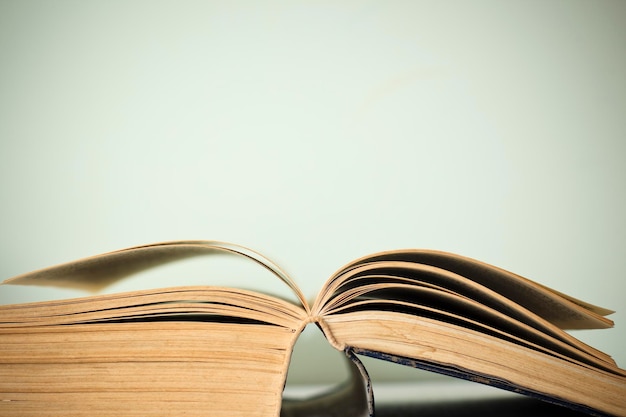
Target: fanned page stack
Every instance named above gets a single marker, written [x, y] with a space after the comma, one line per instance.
[209, 350]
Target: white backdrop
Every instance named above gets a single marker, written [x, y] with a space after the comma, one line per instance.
[318, 132]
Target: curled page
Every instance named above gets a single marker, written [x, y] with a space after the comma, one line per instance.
[96, 272]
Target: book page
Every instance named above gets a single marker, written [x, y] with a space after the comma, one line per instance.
[96, 272]
[436, 345]
[563, 311]
[144, 369]
[422, 289]
[218, 304]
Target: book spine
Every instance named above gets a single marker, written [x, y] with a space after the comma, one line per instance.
[362, 380]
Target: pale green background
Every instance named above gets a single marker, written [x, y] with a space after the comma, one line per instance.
[318, 132]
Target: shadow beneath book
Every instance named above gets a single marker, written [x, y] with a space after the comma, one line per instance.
[510, 407]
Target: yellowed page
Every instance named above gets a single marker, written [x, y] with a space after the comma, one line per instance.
[96, 272]
[144, 369]
[482, 358]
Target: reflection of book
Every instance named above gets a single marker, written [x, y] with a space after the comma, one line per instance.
[225, 351]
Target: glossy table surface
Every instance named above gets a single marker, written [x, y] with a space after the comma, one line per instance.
[443, 398]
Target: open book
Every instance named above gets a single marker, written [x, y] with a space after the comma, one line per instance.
[209, 350]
